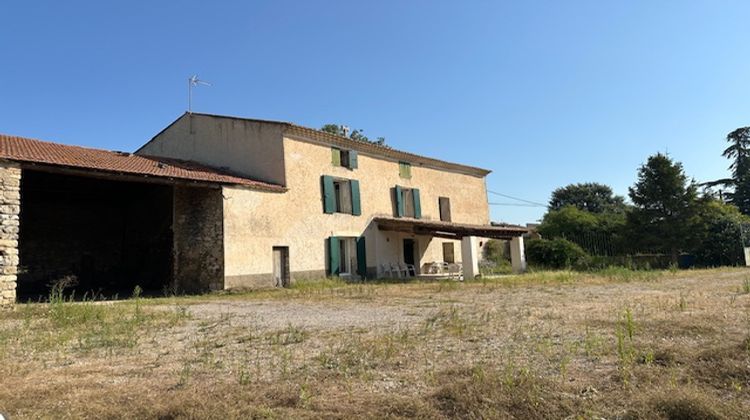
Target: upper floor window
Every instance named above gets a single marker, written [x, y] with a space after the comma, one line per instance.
[341, 195]
[344, 158]
[407, 202]
[404, 170]
[445, 209]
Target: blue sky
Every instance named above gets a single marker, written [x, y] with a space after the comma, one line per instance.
[543, 93]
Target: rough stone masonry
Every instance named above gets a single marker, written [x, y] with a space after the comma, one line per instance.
[10, 208]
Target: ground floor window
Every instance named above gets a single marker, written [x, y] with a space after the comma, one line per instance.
[347, 256]
[448, 253]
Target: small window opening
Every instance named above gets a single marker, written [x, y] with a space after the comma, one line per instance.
[445, 209]
[404, 170]
[448, 253]
[407, 197]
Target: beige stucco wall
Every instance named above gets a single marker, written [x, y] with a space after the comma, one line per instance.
[246, 147]
[257, 221]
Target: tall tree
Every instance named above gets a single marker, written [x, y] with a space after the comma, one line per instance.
[591, 197]
[739, 152]
[665, 213]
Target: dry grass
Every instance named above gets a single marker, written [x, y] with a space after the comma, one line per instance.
[615, 344]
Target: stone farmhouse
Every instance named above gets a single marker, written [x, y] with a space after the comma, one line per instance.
[215, 202]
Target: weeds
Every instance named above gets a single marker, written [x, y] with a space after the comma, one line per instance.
[290, 335]
[593, 344]
[745, 288]
[483, 350]
[85, 325]
[683, 304]
[622, 274]
[243, 377]
[624, 333]
[357, 356]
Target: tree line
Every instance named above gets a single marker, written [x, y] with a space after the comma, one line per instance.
[670, 219]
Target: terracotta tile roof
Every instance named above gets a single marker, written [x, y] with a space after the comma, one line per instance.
[25, 150]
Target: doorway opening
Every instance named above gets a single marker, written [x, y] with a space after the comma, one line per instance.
[100, 237]
[410, 249]
[348, 261]
[281, 266]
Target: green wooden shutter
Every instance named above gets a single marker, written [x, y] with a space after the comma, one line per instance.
[417, 204]
[335, 157]
[334, 256]
[329, 195]
[353, 161]
[356, 207]
[361, 257]
[404, 170]
[399, 202]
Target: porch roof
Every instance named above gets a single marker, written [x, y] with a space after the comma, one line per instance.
[448, 230]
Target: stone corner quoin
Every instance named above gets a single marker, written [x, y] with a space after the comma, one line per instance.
[10, 207]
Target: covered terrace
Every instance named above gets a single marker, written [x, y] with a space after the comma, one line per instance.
[468, 234]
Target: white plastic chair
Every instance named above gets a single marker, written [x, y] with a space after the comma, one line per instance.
[385, 269]
[399, 271]
[408, 269]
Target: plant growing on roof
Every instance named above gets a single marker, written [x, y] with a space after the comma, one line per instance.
[357, 135]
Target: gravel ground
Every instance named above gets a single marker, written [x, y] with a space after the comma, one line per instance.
[276, 314]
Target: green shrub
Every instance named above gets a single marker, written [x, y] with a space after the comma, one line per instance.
[720, 236]
[555, 253]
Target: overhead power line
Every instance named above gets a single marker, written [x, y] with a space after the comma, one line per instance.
[513, 204]
[533, 203]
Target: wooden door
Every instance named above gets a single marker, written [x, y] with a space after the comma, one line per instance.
[281, 266]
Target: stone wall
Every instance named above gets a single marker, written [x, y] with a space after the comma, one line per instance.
[10, 208]
[198, 239]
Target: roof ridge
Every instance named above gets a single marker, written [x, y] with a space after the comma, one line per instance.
[11, 136]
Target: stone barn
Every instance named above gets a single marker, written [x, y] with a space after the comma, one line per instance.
[108, 221]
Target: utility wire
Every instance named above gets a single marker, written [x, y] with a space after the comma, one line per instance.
[533, 203]
[513, 204]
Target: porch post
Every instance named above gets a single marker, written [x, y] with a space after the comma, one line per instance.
[469, 257]
[517, 255]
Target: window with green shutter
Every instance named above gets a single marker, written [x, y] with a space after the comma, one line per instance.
[335, 156]
[417, 203]
[407, 202]
[356, 206]
[404, 170]
[344, 158]
[399, 197]
[329, 194]
[334, 256]
[341, 196]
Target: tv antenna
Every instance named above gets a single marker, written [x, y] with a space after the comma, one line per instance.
[194, 81]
